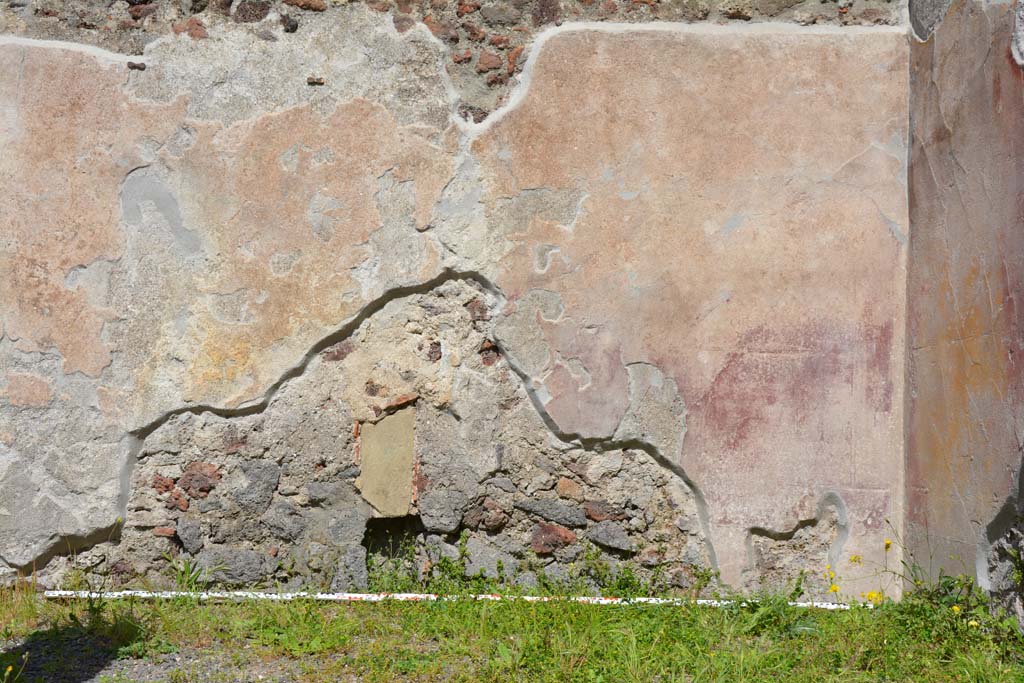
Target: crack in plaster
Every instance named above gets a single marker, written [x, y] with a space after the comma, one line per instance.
[135, 439]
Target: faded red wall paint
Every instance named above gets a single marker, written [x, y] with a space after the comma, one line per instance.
[796, 368]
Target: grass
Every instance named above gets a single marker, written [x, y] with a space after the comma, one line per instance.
[945, 632]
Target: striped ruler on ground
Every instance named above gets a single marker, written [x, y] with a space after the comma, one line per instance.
[399, 597]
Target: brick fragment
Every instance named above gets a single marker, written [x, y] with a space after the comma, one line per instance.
[311, 5]
[487, 61]
[176, 501]
[162, 484]
[513, 59]
[198, 479]
[193, 28]
[547, 538]
[601, 511]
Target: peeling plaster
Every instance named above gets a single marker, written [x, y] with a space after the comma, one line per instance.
[95, 52]
[474, 130]
[466, 205]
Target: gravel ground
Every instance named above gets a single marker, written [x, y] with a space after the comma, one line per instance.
[198, 666]
[201, 667]
[74, 658]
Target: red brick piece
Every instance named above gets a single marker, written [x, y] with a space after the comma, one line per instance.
[513, 57]
[487, 61]
[547, 538]
[162, 484]
[193, 28]
[176, 501]
[600, 511]
[198, 479]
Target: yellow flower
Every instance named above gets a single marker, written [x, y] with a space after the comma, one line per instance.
[972, 622]
[831, 575]
[874, 597]
[956, 609]
[856, 559]
[833, 588]
[10, 668]
[888, 544]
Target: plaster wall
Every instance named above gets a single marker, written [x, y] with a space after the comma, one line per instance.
[653, 293]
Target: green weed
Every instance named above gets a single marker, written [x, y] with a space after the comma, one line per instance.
[942, 631]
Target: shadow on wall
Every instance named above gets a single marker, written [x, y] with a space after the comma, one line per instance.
[1009, 517]
[925, 15]
[76, 650]
[1017, 48]
[1001, 560]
